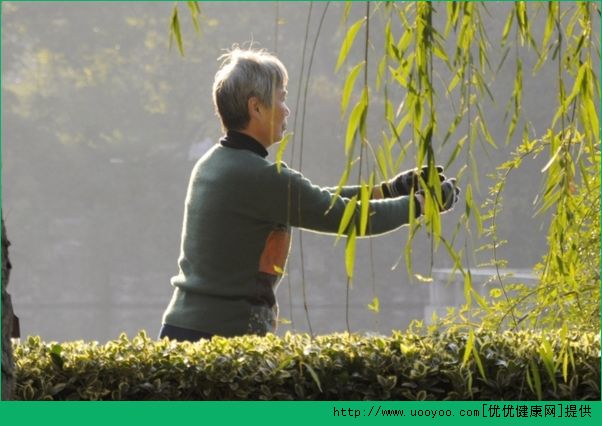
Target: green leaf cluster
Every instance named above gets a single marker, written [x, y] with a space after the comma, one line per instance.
[480, 365]
[568, 292]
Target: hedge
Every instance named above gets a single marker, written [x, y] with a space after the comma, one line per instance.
[449, 366]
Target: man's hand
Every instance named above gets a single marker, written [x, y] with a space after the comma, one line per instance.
[403, 183]
[450, 194]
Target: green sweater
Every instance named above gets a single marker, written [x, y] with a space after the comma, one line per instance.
[236, 237]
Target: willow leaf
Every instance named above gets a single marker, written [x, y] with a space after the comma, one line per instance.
[480, 301]
[348, 42]
[342, 182]
[175, 31]
[346, 11]
[389, 43]
[280, 152]
[348, 215]
[456, 151]
[348, 87]
[382, 66]
[468, 287]
[364, 207]
[400, 78]
[453, 10]
[507, 26]
[467, 30]
[423, 279]
[350, 252]
[366, 192]
[375, 305]
[552, 13]
[381, 161]
[355, 120]
[455, 80]
[552, 160]
[475, 210]
[522, 20]
[456, 257]
[486, 134]
[469, 200]
[593, 121]
[504, 56]
[404, 42]
[439, 51]
[195, 11]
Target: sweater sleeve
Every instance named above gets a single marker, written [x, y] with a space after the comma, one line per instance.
[346, 192]
[290, 198]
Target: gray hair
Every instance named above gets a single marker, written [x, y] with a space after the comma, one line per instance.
[242, 75]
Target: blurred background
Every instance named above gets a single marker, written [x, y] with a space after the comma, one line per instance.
[102, 123]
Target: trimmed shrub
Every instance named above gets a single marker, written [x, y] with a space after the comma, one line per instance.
[448, 366]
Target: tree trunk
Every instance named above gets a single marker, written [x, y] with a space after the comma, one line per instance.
[8, 366]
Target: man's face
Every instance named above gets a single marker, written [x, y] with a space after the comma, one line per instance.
[274, 125]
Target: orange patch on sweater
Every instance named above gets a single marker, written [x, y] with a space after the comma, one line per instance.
[275, 252]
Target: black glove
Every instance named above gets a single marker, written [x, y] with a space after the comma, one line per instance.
[450, 194]
[403, 183]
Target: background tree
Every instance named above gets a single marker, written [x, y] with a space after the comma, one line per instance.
[8, 366]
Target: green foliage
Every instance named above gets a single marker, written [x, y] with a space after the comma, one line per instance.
[568, 292]
[281, 148]
[448, 366]
[348, 42]
[175, 30]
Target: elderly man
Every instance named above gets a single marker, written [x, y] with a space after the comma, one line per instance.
[239, 209]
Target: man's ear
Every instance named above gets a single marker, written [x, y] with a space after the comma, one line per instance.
[253, 106]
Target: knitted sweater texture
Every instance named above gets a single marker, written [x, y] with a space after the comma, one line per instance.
[236, 237]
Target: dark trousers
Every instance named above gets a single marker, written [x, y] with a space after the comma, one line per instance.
[182, 334]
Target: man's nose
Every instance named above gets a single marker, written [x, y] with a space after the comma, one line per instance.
[287, 111]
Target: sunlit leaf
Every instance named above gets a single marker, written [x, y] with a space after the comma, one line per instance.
[175, 31]
[468, 288]
[495, 293]
[281, 148]
[365, 193]
[455, 80]
[453, 11]
[468, 348]
[507, 26]
[380, 74]
[593, 120]
[195, 11]
[342, 182]
[348, 215]
[348, 42]
[348, 87]
[457, 149]
[423, 279]
[381, 161]
[375, 305]
[350, 252]
[552, 13]
[355, 120]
